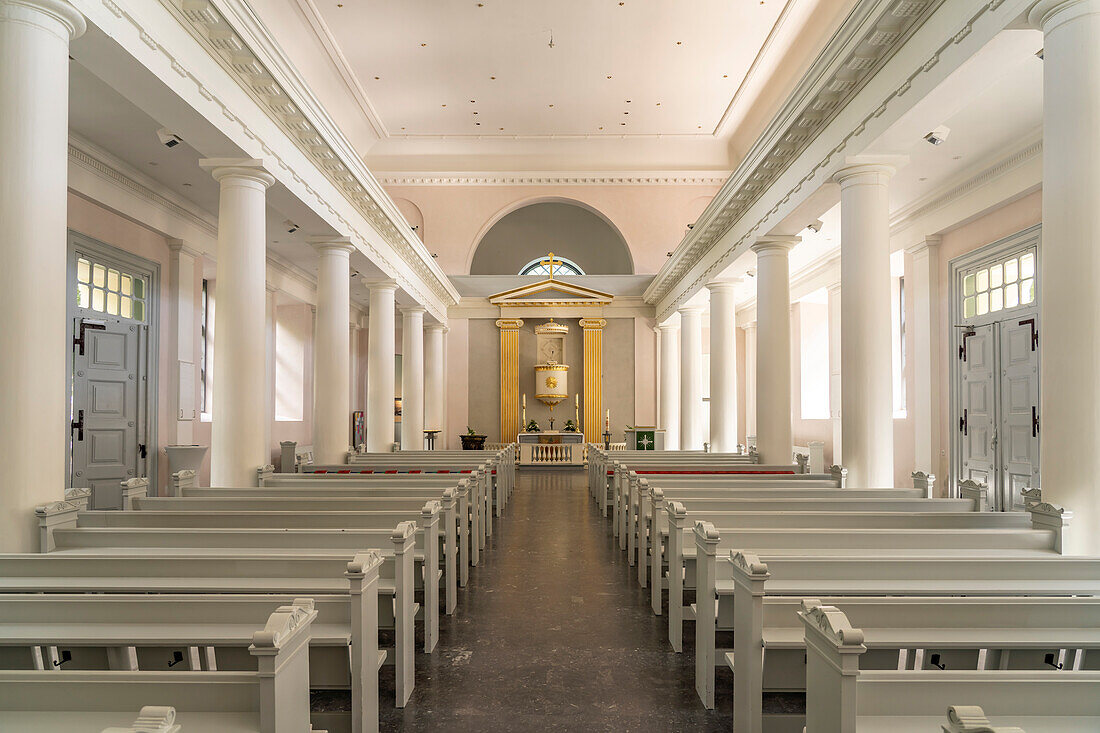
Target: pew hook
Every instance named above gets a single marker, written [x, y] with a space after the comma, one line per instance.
[1048, 659]
[177, 657]
[67, 656]
[934, 660]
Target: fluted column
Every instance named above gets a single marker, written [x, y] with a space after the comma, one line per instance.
[773, 348]
[867, 387]
[691, 378]
[34, 129]
[723, 366]
[380, 367]
[240, 400]
[750, 381]
[668, 334]
[594, 416]
[332, 350]
[412, 378]
[433, 376]
[1070, 268]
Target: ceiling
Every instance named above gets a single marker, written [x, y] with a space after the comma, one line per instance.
[570, 84]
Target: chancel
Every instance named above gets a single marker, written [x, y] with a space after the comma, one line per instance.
[505, 366]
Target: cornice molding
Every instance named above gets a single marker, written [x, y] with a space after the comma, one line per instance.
[564, 178]
[233, 36]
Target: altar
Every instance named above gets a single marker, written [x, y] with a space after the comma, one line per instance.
[551, 448]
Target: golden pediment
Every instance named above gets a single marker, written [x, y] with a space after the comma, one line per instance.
[551, 293]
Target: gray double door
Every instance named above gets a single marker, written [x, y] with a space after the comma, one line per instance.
[998, 420]
[108, 430]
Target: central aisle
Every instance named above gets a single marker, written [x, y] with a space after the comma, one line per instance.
[553, 634]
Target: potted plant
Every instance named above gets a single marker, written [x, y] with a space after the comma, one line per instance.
[532, 427]
[472, 440]
[570, 427]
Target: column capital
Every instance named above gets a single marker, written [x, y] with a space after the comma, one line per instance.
[864, 169]
[413, 310]
[690, 310]
[1048, 14]
[270, 288]
[750, 326]
[509, 324]
[178, 246]
[248, 169]
[922, 247]
[773, 243]
[380, 285]
[332, 245]
[668, 326]
[724, 285]
[61, 11]
[436, 327]
[834, 288]
[592, 323]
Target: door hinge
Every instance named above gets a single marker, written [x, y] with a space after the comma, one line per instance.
[1034, 422]
[962, 348]
[1034, 332]
[86, 326]
[962, 423]
[78, 425]
[142, 451]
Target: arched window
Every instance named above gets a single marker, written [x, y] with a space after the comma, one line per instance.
[562, 266]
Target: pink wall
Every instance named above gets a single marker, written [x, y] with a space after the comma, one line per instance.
[651, 218]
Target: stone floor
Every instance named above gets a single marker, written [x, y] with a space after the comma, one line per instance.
[554, 634]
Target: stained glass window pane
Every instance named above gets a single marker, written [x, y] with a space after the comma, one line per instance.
[983, 280]
[99, 276]
[97, 299]
[1027, 291]
[112, 280]
[968, 285]
[996, 300]
[83, 270]
[1027, 265]
[996, 276]
[1012, 295]
[112, 303]
[983, 303]
[968, 307]
[1012, 270]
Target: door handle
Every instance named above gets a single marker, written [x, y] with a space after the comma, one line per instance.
[962, 423]
[78, 425]
[1034, 422]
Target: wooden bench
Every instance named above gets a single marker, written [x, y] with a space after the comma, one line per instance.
[219, 572]
[842, 698]
[273, 699]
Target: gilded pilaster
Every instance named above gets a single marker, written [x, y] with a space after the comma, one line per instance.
[593, 378]
[509, 378]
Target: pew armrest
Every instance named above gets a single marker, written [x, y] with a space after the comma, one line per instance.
[158, 718]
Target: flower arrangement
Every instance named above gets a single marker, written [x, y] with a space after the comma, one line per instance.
[570, 427]
[532, 426]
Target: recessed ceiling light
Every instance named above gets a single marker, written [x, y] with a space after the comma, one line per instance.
[601, 127]
[477, 123]
[658, 104]
[402, 128]
[628, 101]
[444, 105]
[609, 76]
[551, 105]
[492, 77]
[473, 101]
[622, 123]
[626, 113]
[725, 76]
[679, 43]
[500, 128]
[377, 78]
[700, 127]
[481, 5]
[422, 45]
[475, 111]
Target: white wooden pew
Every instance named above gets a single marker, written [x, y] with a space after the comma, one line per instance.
[221, 572]
[842, 698]
[274, 699]
[142, 632]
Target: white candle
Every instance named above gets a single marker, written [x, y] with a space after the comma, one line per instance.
[525, 399]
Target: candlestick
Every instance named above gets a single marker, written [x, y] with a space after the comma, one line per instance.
[525, 399]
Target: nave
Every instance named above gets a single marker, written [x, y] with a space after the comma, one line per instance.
[554, 636]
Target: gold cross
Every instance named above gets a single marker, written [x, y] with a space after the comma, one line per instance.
[550, 262]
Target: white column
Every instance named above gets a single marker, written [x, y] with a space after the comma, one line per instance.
[239, 410]
[834, 372]
[922, 288]
[185, 369]
[412, 378]
[433, 377]
[353, 365]
[867, 393]
[750, 380]
[332, 350]
[691, 377]
[380, 367]
[668, 336]
[1069, 300]
[723, 367]
[773, 349]
[270, 314]
[34, 347]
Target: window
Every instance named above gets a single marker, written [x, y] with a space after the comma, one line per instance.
[293, 327]
[1004, 285]
[897, 332]
[204, 346]
[813, 335]
[562, 266]
[106, 290]
[899, 398]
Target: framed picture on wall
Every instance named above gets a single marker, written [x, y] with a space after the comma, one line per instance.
[358, 428]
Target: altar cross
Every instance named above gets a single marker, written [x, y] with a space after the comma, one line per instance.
[549, 263]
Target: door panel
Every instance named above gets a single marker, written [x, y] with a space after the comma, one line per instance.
[979, 408]
[1019, 404]
[106, 389]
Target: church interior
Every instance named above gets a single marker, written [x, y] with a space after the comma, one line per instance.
[574, 366]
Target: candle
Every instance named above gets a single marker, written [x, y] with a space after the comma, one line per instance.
[607, 420]
[525, 399]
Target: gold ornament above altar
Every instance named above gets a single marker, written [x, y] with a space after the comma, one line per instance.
[551, 373]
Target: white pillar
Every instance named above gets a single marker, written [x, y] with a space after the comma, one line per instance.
[834, 372]
[34, 348]
[750, 381]
[773, 348]
[691, 377]
[239, 410]
[380, 367]
[184, 369]
[1069, 301]
[270, 315]
[867, 391]
[353, 365]
[332, 351]
[922, 288]
[723, 367]
[433, 376]
[668, 335]
[412, 378]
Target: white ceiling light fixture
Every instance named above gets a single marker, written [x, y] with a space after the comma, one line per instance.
[938, 136]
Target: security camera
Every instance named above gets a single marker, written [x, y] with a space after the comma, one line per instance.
[168, 138]
[938, 136]
[291, 227]
[815, 225]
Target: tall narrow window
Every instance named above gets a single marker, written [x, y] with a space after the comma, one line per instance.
[902, 354]
[204, 321]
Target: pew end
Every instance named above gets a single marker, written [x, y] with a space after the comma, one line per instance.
[158, 718]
